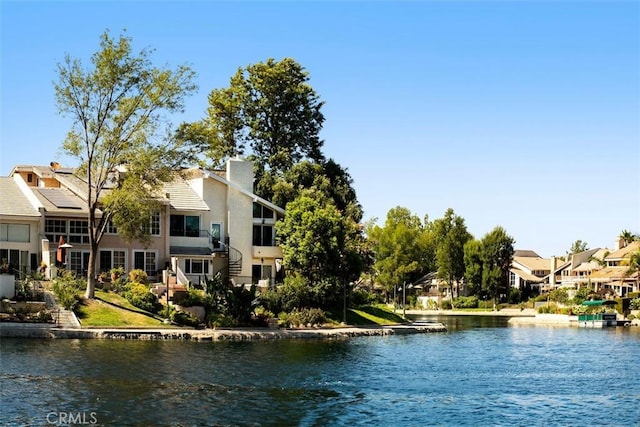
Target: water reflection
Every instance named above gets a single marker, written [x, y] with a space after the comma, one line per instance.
[478, 373]
[456, 323]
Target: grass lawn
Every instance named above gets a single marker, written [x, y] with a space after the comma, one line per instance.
[97, 313]
[367, 315]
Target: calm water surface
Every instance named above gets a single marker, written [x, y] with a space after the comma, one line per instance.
[479, 373]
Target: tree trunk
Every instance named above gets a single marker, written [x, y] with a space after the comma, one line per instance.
[91, 269]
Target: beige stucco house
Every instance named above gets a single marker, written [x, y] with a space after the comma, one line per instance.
[210, 222]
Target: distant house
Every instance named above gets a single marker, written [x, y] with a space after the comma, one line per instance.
[528, 269]
[615, 276]
[210, 222]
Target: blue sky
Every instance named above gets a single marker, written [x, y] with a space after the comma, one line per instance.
[519, 114]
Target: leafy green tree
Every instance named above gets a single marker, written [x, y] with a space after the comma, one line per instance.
[268, 110]
[497, 256]
[397, 248]
[116, 107]
[451, 235]
[473, 266]
[316, 243]
[577, 247]
[326, 177]
[559, 295]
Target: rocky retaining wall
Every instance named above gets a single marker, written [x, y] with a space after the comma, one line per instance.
[218, 334]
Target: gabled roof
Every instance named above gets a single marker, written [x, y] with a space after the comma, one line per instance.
[613, 273]
[14, 201]
[623, 252]
[61, 201]
[526, 276]
[525, 253]
[181, 196]
[533, 263]
[256, 198]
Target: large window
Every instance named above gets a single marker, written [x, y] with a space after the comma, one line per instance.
[111, 258]
[78, 262]
[263, 235]
[14, 232]
[155, 224]
[260, 272]
[79, 232]
[262, 212]
[185, 225]
[196, 266]
[54, 229]
[145, 260]
[17, 260]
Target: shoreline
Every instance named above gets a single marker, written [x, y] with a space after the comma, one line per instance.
[231, 334]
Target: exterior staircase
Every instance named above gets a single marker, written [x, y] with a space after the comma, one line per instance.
[235, 262]
[65, 318]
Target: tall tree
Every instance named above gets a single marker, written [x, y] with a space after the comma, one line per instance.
[473, 266]
[316, 243]
[116, 107]
[451, 235]
[577, 247]
[397, 248]
[327, 177]
[497, 256]
[269, 111]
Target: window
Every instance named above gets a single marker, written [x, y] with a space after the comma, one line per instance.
[154, 224]
[185, 225]
[29, 177]
[512, 279]
[260, 272]
[78, 262]
[216, 234]
[54, 229]
[17, 260]
[111, 258]
[145, 260]
[196, 266]
[14, 232]
[79, 232]
[263, 235]
[111, 228]
[263, 212]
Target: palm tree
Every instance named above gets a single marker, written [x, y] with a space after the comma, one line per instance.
[627, 237]
[634, 268]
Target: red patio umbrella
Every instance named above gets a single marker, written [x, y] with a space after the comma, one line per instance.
[61, 254]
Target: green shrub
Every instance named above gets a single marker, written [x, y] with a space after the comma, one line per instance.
[446, 304]
[301, 318]
[190, 298]
[631, 317]
[138, 276]
[361, 297]
[140, 296]
[184, 318]
[635, 304]
[218, 320]
[547, 308]
[466, 302]
[66, 288]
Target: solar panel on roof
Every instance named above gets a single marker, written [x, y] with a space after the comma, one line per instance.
[61, 198]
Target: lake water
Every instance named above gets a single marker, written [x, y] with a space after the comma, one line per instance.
[479, 373]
